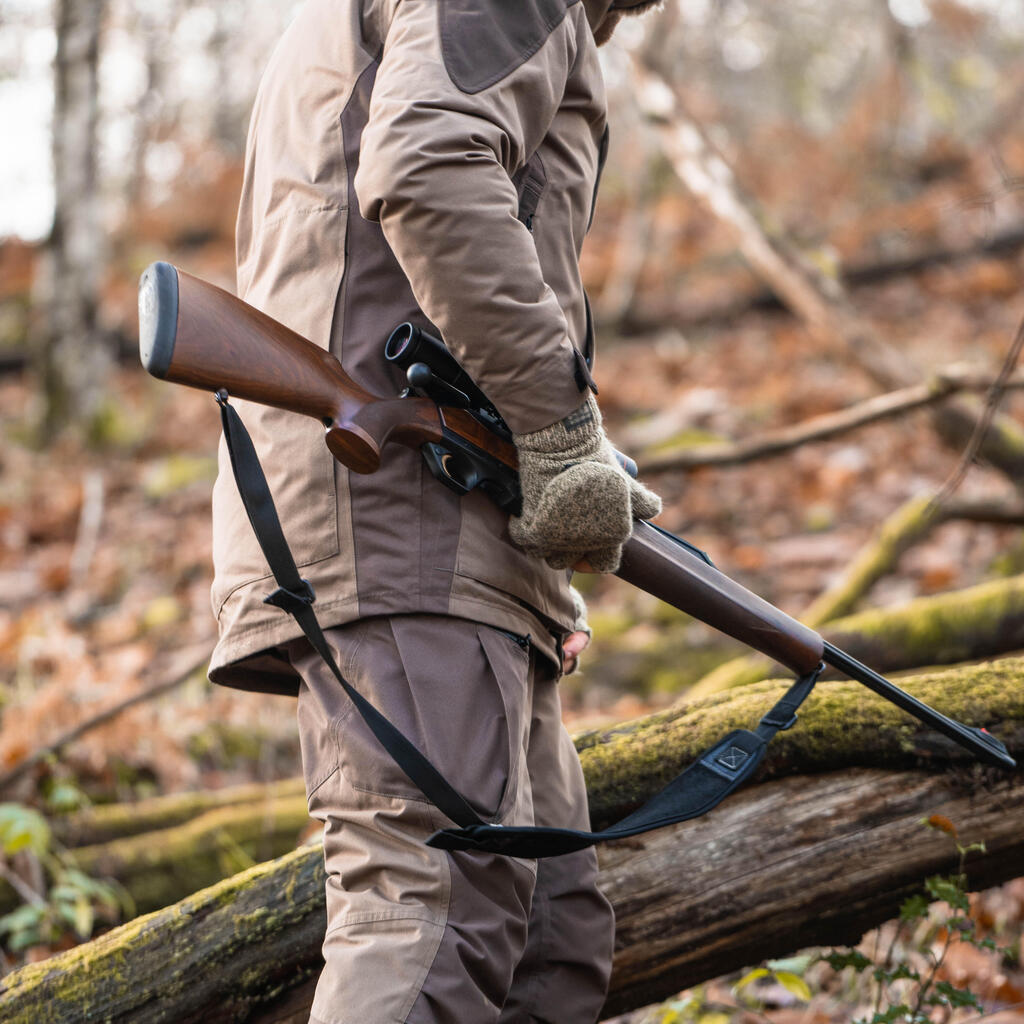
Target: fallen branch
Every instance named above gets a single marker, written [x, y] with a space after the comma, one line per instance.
[102, 823]
[158, 868]
[943, 385]
[185, 666]
[819, 300]
[758, 877]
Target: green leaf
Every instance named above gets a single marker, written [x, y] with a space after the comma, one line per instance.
[794, 984]
[958, 997]
[65, 796]
[84, 918]
[796, 964]
[22, 828]
[949, 890]
[751, 976]
[914, 908]
[895, 973]
[713, 1017]
[894, 1013]
[23, 917]
[839, 961]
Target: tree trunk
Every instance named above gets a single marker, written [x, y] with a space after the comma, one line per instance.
[72, 355]
[758, 877]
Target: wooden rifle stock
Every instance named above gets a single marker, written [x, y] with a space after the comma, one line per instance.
[191, 332]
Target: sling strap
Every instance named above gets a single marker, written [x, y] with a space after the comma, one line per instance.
[698, 789]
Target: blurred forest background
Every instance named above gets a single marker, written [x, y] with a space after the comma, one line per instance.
[806, 273]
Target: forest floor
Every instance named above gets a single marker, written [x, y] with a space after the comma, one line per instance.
[105, 555]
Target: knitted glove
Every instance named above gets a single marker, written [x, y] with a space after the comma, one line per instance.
[578, 503]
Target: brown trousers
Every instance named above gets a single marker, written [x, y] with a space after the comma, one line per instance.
[420, 935]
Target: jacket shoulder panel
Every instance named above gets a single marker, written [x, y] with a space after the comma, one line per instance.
[483, 41]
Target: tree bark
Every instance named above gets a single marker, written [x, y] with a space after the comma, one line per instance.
[758, 877]
[72, 355]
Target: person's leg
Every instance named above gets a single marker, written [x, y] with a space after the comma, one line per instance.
[562, 977]
[416, 934]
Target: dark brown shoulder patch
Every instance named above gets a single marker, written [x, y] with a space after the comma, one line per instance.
[485, 40]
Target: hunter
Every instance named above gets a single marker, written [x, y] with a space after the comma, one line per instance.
[435, 161]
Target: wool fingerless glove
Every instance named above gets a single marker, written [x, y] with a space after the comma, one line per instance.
[578, 502]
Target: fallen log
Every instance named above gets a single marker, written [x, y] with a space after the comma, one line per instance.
[758, 877]
[983, 621]
[164, 848]
[158, 867]
[104, 822]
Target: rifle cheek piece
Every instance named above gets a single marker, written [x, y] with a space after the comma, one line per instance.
[158, 317]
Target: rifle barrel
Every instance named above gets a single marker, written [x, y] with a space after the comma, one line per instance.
[979, 741]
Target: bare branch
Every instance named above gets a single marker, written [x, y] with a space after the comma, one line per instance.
[944, 384]
[187, 663]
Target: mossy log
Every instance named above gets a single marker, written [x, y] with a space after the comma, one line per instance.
[977, 622]
[159, 867]
[757, 877]
[104, 822]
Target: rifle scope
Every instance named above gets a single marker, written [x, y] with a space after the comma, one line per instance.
[408, 345]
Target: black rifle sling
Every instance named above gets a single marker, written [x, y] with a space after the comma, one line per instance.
[702, 786]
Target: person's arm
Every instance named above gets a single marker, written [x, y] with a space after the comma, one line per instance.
[436, 162]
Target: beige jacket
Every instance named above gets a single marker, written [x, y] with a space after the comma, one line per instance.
[433, 161]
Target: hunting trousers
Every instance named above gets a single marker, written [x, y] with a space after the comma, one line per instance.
[421, 935]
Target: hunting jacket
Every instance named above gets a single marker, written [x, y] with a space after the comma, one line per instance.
[434, 161]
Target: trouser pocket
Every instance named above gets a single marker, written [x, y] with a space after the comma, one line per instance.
[457, 690]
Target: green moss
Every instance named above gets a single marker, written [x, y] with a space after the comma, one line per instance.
[910, 521]
[975, 622]
[219, 937]
[98, 824]
[134, 969]
[841, 725]
[692, 437]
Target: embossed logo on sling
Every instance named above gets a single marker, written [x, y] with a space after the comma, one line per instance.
[733, 758]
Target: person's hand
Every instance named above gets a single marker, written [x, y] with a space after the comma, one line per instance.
[572, 647]
[576, 642]
[578, 502]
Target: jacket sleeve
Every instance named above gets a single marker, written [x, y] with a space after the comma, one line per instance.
[435, 168]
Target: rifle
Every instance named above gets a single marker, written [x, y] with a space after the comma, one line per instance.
[193, 333]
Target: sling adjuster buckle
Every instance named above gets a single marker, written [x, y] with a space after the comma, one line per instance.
[292, 601]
